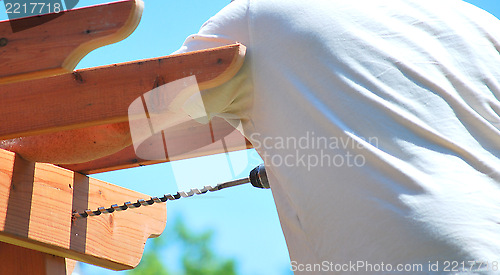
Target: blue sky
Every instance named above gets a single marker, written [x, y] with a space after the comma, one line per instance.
[237, 214]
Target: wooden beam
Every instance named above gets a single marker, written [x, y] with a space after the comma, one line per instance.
[102, 95]
[188, 140]
[36, 205]
[53, 44]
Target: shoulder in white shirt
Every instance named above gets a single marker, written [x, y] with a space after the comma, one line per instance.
[378, 122]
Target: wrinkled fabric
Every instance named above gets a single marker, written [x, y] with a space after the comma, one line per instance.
[378, 122]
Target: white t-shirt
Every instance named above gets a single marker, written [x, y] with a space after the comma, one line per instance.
[378, 122]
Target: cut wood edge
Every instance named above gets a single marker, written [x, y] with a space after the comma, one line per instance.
[232, 70]
[128, 28]
[54, 250]
[69, 64]
[75, 256]
[58, 241]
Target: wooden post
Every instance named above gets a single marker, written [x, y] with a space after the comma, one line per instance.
[19, 260]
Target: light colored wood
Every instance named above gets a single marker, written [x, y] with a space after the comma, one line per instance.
[102, 95]
[20, 260]
[36, 205]
[53, 44]
[70, 266]
[188, 140]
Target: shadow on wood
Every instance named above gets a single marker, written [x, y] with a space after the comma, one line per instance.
[78, 234]
[102, 95]
[187, 140]
[18, 214]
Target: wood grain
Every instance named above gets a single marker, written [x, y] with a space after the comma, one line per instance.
[36, 205]
[102, 95]
[19, 260]
[188, 140]
[53, 44]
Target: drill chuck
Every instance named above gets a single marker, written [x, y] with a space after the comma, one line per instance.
[258, 177]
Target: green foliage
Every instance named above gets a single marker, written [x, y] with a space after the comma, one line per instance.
[150, 262]
[194, 254]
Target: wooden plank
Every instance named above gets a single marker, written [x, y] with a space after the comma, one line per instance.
[53, 44]
[19, 260]
[102, 95]
[188, 140]
[36, 205]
